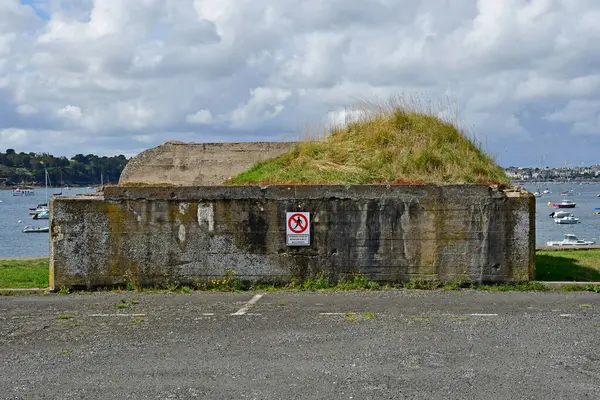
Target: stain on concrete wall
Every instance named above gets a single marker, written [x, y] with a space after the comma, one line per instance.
[152, 235]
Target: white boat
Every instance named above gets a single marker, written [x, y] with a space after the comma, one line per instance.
[42, 215]
[537, 194]
[546, 191]
[23, 192]
[570, 240]
[37, 229]
[567, 220]
[40, 208]
[560, 214]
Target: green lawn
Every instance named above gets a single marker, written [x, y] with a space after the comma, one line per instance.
[564, 265]
[568, 265]
[29, 273]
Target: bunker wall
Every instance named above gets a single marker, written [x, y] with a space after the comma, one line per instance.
[194, 164]
[154, 235]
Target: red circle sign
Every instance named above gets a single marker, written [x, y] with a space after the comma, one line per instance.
[298, 223]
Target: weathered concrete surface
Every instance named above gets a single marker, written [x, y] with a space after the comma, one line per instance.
[418, 345]
[151, 235]
[178, 163]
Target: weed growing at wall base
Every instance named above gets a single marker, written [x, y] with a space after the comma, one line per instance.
[227, 283]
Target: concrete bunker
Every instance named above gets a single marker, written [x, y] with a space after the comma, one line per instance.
[394, 195]
[151, 233]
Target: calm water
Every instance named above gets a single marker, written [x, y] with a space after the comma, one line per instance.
[585, 196]
[14, 216]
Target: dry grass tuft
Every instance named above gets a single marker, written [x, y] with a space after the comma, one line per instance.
[404, 140]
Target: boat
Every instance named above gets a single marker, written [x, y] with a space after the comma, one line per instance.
[560, 214]
[570, 240]
[546, 191]
[38, 209]
[22, 192]
[567, 220]
[564, 204]
[537, 194]
[37, 229]
[42, 215]
[596, 210]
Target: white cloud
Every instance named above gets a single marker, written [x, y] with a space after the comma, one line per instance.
[118, 75]
[201, 117]
[69, 112]
[265, 103]
[342, 117]
[582, 115]
[12, 137]
[26, 109]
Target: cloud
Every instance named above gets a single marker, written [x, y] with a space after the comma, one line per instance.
[264, 103]
[120, 76]
[201, 117]
[583, 116]
[26, 109]
[69, 112]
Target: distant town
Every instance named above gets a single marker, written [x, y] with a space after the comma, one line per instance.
[548, 174]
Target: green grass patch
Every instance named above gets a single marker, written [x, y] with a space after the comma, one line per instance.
[23, 274]
[420, 318]
[350, 317]
[402, 141]
[568, 266]
[122, 304]
[458, 318]
[369, 315]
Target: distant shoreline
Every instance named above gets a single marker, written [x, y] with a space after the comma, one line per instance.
[49, 188]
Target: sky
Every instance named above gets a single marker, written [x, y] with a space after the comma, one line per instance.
[116, 77]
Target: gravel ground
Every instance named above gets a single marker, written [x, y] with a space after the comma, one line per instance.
[352, 345]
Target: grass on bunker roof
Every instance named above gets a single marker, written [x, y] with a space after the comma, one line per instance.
[401, 141]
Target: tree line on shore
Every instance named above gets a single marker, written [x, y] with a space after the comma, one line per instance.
[80, 170]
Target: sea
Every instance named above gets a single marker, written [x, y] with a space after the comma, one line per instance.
[14, 216]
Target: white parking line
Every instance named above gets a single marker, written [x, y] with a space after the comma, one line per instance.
[118, 315]
[333, 313]
[565, 315]
[208, 314]
[483, 315]
[249, 304]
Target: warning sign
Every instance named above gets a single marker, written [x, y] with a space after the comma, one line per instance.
[298, 229]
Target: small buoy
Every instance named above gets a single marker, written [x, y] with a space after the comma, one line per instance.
[19, 221]
[549, 203]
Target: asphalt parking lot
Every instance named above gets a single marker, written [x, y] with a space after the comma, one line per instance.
[350, 345]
